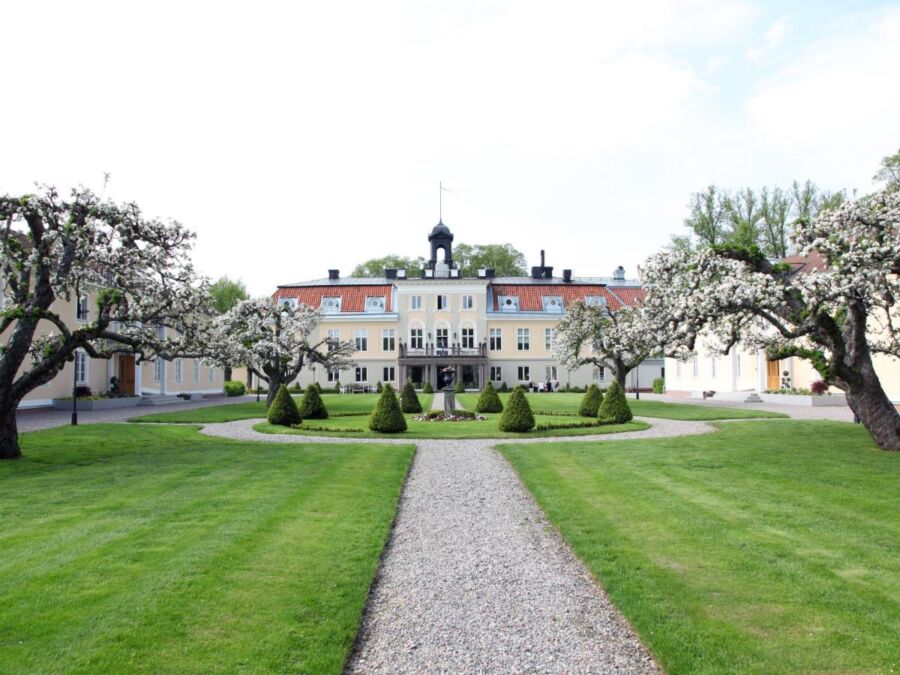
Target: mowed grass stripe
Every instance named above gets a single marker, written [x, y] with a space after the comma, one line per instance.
[765, 547]
[243, 557]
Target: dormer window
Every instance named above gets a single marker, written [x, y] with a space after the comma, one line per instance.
[375, 305]
[553, 304]
[508, 303]
[331, 305]
[290, 303]
[595, 301]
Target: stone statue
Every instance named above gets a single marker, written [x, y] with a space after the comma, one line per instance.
[447, 376]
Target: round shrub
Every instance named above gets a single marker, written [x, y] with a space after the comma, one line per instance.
[590, 402]
[283, 410]
[409, 401]
[460, 388]
[818, 387]
[235, 388]
[428, 389]
[489, 401]
[614, 408]
[312, 407]
[387, 417]
[517, 415]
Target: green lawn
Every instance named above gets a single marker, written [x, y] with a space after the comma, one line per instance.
[767, 547]
[335, 403]
[357, 427]
[568, 403]
[157, 549]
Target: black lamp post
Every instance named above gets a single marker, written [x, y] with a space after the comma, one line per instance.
[75, 391]
[257, 388]
[637, 383]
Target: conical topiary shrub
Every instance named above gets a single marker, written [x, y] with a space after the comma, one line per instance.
[379, 387]
[504, 388]
[489, 401]
[312, 407]
[283, 410]
[460, 388]
[409, 401]
[517, 415]
[614, 408]
[428, 389]
[387, 417]
[590, 402]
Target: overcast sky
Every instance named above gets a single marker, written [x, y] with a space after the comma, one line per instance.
[294, 137]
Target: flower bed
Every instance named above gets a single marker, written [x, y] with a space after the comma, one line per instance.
[457, 416]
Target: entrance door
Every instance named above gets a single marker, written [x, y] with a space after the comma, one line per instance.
[772, 370]
[126, 375]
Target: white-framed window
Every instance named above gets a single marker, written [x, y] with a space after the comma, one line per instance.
[81, 367]
[158, 370]
[468, 338]
[196, 371]
[443, 338]
[334, 375]
[375, 304]
[496, 374]
[524, 374]
[361, 342]
[508, 303]
[179, 368]
[553, 304]
[523, 339]
[290, 303]
[415, 302]
[388, 339]
[388, 374]
[468, 302]
[415, 339]
[443, 302]
[495, 341]
[695, 362]
[334, 336]
[549, 337]
[211, 374]
[82, 308]
[362, 374]
[331, 305]
[601, 373]
[595, 301]
[550, 374]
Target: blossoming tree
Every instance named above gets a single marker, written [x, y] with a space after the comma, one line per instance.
[276, 341]
[619, 341]
[138, 269]
[837, 311]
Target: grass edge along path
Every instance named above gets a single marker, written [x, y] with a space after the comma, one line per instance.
[765, 547]
[147, 548]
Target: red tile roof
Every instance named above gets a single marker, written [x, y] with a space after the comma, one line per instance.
[530, 295]
[812, 261]
[353, 297]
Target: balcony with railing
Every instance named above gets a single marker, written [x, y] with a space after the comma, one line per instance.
[434, 351]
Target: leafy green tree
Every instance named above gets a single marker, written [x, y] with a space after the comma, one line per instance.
[225, 294]
[376, 266]
[517, 415]
[889, 171]
[775, 208]
[312, 407]
[283, 410]
[409, 400]
[709, 216]
[387, 418]
[590, 402]
[744, 213]
[505, 259]
[614, 409]
[489, 401]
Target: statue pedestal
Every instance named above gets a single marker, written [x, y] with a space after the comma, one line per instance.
[449, 402]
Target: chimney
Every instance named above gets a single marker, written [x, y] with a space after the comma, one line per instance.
[390, 273]
[542, 258]
[567, 276]
[334, 274]
[619, 274]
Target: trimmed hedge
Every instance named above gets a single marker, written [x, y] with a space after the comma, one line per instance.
[409, 400]
[590, 402]
[283, 410]
[235, 388]
[428, 389]
[387, 418]
[312, 407]
[489, 401]
[659, 386]
[614, 409]
[517, 415]
[460, 388]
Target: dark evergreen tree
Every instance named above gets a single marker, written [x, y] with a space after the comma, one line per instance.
[614, 409]
[283, 410]
[387, 418]
[409, 401]
[489, 401]
[312, 407]
[590, 402]
[517, 415]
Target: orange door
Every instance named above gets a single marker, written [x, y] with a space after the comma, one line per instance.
[126, 375]
[772, 380]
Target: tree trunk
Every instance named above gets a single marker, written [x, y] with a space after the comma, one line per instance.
[274, 384]
[228, 373]
[878, 415]
[9, 432]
